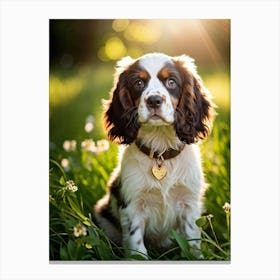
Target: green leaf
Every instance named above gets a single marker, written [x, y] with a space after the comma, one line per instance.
[201, 222]
[183, 244]
[87, 223]
[104, 251]
[72, 249]
[59, 166]
[92, 241]
[75, 207]
[63, 254]
[62, 181]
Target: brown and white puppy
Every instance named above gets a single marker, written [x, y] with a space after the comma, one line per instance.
[159, 108]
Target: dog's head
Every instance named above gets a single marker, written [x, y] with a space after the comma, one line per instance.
[156, 90]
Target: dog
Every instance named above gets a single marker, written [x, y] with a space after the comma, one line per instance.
[158, 110]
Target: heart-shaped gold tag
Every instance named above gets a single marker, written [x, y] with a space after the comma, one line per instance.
[159, 171]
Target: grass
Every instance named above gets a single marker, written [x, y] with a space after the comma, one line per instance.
[80, 169]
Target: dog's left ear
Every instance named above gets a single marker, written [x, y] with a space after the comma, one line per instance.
[195, 111]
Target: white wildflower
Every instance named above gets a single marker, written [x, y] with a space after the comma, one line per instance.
[79, 230]
[89, 127]
[209, 217]
[88, 145]
[65, 163]
[69, 145]
[98, 147]
[102, 145]
[70, 185]
[73, 188]
[226, 207]
[89, 123]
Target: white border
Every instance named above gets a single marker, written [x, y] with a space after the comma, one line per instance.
[24, 138]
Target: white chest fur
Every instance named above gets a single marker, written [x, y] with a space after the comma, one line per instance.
[161, 202]
[136, 174]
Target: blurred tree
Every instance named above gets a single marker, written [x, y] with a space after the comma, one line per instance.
[79, 42]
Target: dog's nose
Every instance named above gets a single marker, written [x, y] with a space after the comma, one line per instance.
[154, 101]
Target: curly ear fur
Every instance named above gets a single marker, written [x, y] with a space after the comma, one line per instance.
[195, 111]
[120, 115]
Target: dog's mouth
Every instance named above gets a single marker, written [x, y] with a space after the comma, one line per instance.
[157, 119]
[156, 114]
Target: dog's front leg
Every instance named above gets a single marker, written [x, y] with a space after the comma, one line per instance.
[133, 228]
[190, 229]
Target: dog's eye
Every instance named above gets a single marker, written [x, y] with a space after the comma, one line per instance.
[139, 84]
[170, 83]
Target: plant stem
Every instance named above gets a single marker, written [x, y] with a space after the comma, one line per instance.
[228, 224]
[212, 228]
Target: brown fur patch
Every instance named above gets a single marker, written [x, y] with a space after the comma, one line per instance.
[164, 73]
[174, 101]
[143, 75]
[137, 102]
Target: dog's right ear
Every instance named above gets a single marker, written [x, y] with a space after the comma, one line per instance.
[120, 115]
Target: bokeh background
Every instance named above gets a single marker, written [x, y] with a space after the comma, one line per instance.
[83, 54]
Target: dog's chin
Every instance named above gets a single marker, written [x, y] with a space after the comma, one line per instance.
[157, 120]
